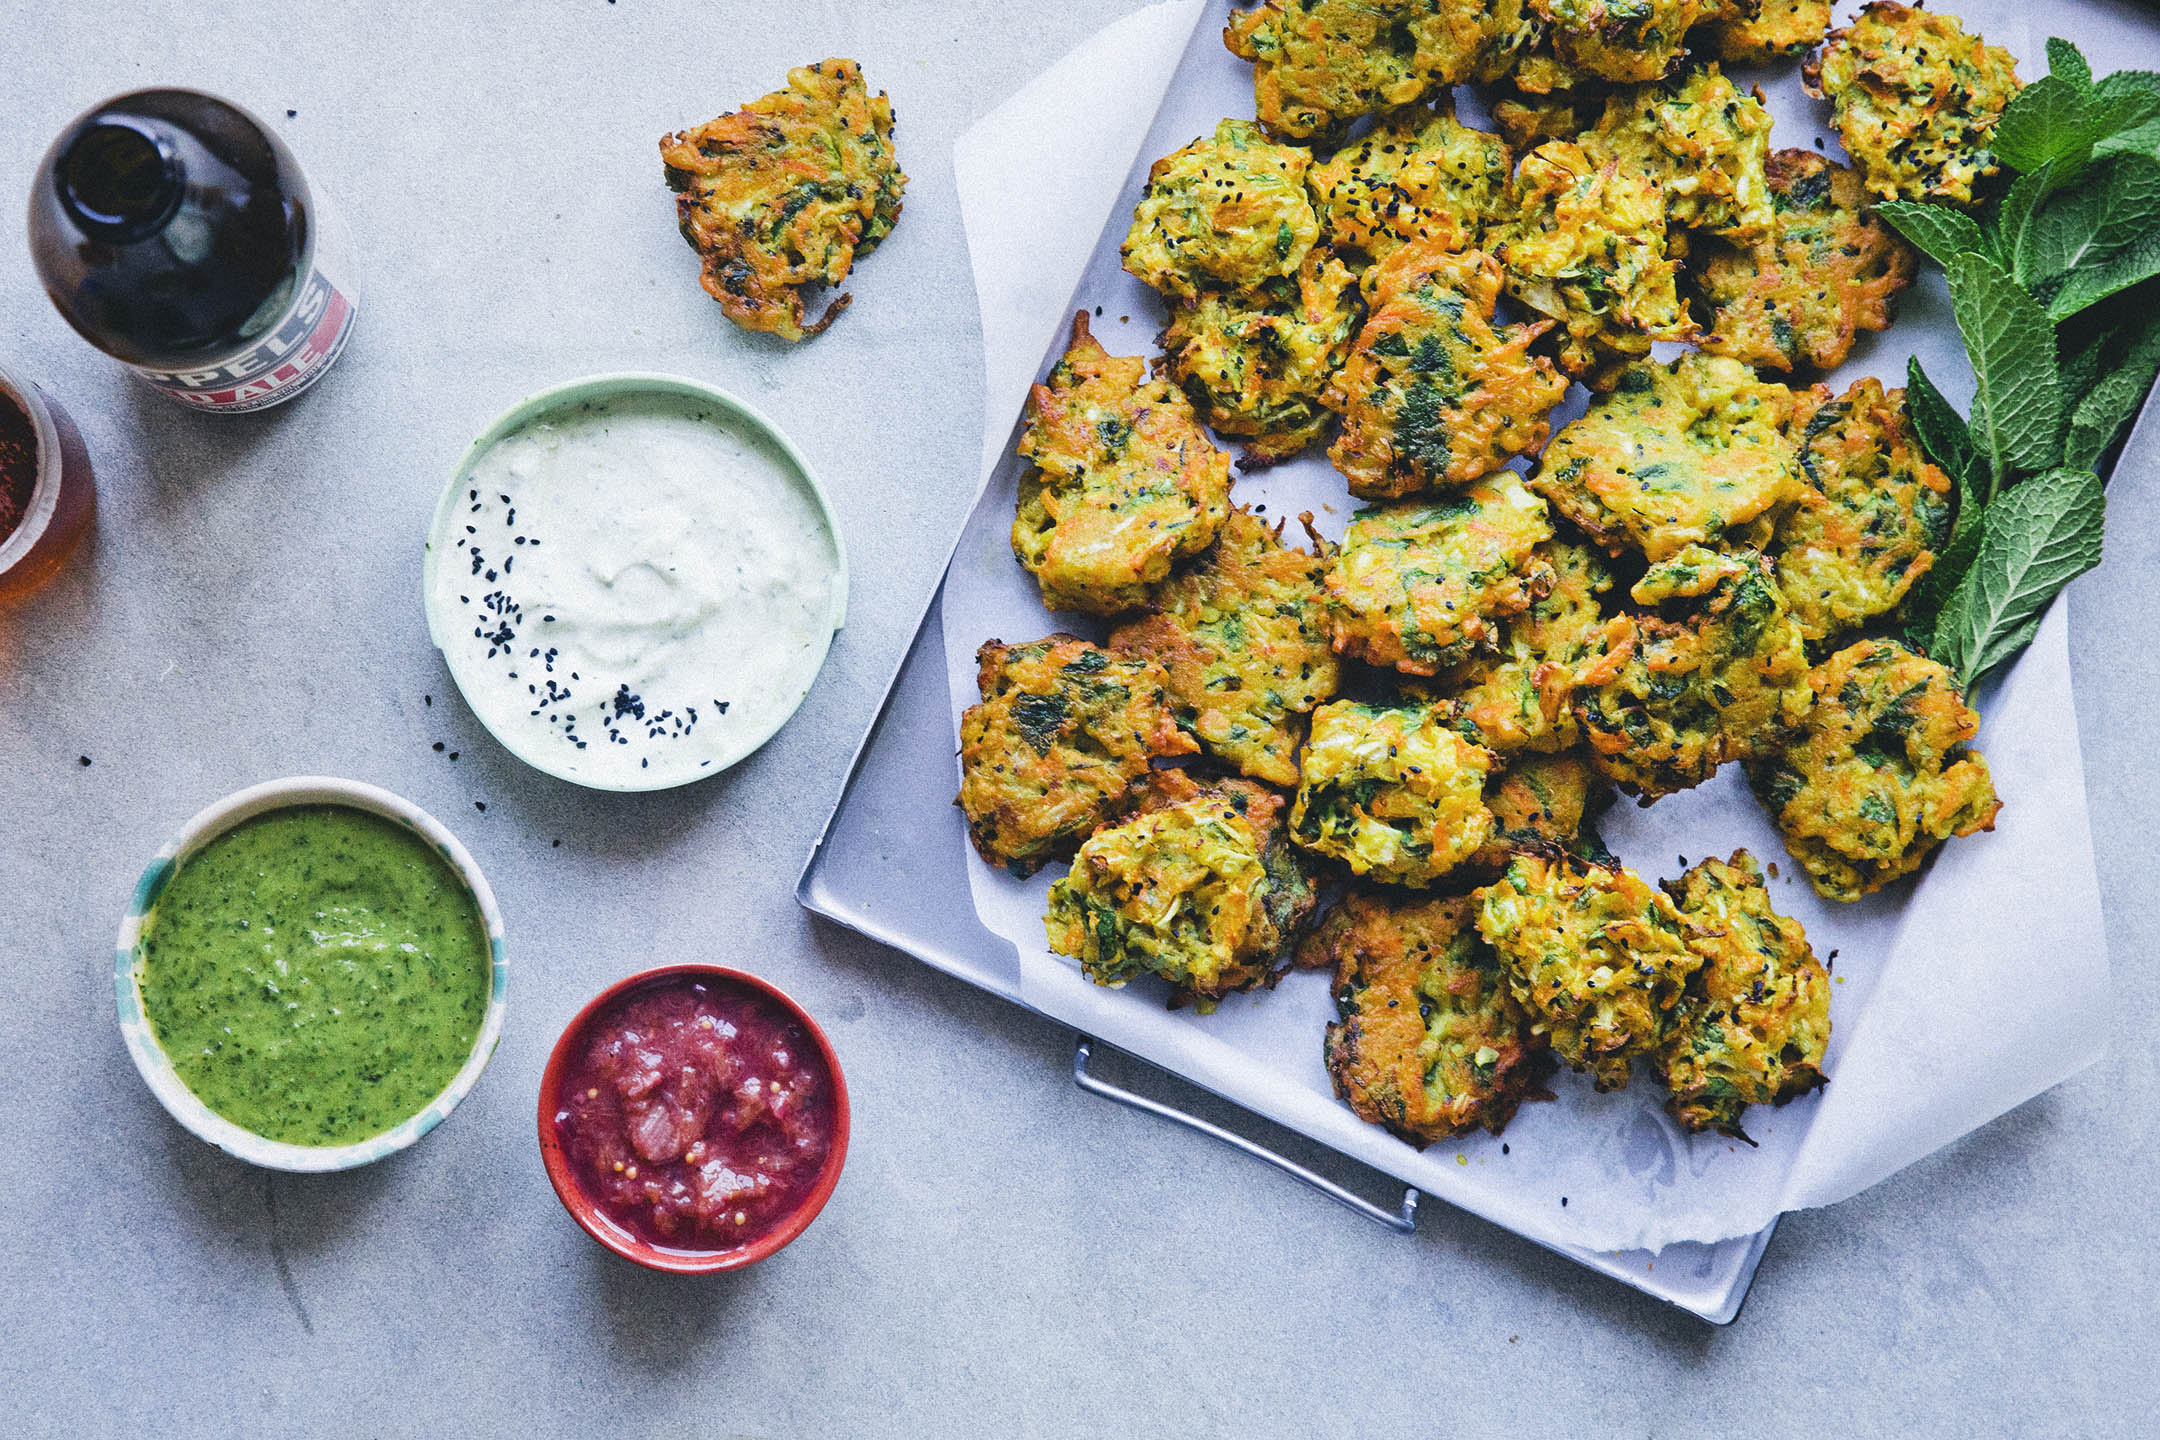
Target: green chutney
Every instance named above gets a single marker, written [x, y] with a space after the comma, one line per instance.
[317, 974]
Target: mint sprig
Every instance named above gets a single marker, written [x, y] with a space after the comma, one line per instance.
[2055, 380]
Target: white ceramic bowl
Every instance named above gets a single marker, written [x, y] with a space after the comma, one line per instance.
[157, 1068]
[449, 514]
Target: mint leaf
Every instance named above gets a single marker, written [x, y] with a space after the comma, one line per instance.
[1941, 429]
[2137, 140]
[2094, 240]
[2067, 62]
[1942, 232]
[1924, 603]
[2033, 541]
[2016, 417]
[2045, 121]
[2100, 416]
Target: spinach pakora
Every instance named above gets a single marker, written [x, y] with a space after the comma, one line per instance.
[1706, 144]
[1915, 100]
[1827, 270]
[1198, 888]
[1762, 32]
[1755, 1020]
[1541, 803]
[1521, 695]
[786, 194]
[1433, 394]
[1710, 672]
[1418, 175]
[1880, 775]
[1597, 958]
[1230, 212]
[1871, 515]
[1675, 455]
[1243, 639]
[1625, 40]
[1422, 584]
[1391, 792]
[1060, 744]
[1431, 1043]
[1123, 481]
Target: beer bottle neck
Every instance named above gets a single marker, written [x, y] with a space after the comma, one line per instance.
[120, 181]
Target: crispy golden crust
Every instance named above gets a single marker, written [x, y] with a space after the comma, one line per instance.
[1419, 174]
[1626, 40]
[1710, 672]
[1420, 584]
[1226, 213]
[1872, 512]
[1596, 957]
[1243, 639]
[1587, 247]
[784, 194]
[1881, 773]
[1676, 455]
[1430, 1042]
[1539, 804]
[1827, 270]
[1762, 32]
[1060, 743]
[1521, 696]
[1915, 100]
[1756, 1017]
[1197, 887]
[1391, 792]
[1527, 120]
[1124, 481]
[1255, 364]
[1320, 64]
[1706, 145]
[1433, 394]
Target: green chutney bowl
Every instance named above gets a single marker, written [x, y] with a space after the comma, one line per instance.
[157, 1067]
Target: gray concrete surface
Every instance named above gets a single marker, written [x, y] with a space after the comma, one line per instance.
[1004, 1255]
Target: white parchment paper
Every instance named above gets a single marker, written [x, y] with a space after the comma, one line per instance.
[1954, 997]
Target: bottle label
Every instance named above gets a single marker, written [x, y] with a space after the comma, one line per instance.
[275, 368]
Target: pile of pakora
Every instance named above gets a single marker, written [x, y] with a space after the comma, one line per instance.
[783, 196]
[1424, 720]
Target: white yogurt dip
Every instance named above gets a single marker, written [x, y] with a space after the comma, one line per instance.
[634, 591]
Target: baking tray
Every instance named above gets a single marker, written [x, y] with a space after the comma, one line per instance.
[889, 864]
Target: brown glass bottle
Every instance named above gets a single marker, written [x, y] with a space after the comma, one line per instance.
[177, 234]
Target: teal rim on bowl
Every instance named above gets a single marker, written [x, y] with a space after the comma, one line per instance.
[157, 1068]
[442, 532]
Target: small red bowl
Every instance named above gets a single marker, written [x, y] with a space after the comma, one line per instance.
[596, 1223]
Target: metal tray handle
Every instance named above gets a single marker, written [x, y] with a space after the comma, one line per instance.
[1404, 1220]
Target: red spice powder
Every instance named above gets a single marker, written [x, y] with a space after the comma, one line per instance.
[18, 464]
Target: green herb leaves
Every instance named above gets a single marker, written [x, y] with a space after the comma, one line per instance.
[2054, 383]
[2033, 541]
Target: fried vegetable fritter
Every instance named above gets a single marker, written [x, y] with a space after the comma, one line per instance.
[1711, 672]
[1255, 363]
[1676, 455]
[1433, 395]
[1915, 100]
[1527, 120]
[1756, 1017]
[786, 194]
[1124, 481]
[1227, 213]
[1430, 1042]
[1420, 584]
[1827, 270]
[1626, 40]
[1320, 64]
[1244, 640]
[1587, 247]
[1762, 32]
[1060, 744]
[1198, 888]
[1706, 144]
[1871, 516]
[1539, 804]
[1521, 696]
[1597, 958]
[1419, 174]
[1880, 775]
[1391, 792]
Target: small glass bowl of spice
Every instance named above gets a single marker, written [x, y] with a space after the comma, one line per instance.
[47, 496]
[693, 1119]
